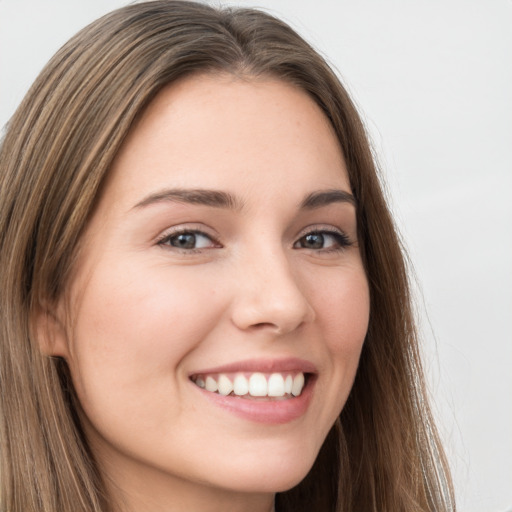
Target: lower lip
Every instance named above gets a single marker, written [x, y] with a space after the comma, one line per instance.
[274, 412]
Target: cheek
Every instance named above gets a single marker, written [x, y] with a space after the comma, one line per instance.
[343, 314]
[343, 309]
[131, 334]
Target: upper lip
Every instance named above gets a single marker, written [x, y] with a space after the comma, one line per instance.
[289, 364]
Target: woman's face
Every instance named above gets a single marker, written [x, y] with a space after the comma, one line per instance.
[223, 253]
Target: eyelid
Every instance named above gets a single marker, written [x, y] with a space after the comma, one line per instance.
[319, 228]
[329, 229]
[183, 229]
[346, 240]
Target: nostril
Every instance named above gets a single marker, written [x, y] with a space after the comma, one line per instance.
[264, 324]
[277, 329]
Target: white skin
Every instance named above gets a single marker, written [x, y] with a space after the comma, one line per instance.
[249, 285]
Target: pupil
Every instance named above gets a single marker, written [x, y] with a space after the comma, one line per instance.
[314, 241]
[185, 241]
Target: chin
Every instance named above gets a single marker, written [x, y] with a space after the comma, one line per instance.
[271, 474]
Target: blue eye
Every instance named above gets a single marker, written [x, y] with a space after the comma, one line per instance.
[188, 240]
[323, 240]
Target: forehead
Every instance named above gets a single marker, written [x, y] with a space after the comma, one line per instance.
[225, 132]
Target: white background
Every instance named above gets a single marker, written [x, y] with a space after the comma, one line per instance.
[433, 80]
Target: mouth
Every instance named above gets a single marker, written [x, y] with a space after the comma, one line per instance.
[272, 386]
[270, 391]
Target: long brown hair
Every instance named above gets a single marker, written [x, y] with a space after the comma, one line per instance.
[383, 453]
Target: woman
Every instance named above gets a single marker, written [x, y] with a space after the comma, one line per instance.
[205, 303]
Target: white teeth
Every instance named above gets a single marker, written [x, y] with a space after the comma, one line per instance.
[288, 383]
[225, 385]
[276, 385]
[211, 384]
[298, 384]
[240, 385]
[258, 385]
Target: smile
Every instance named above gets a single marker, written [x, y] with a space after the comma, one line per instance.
[255, 385]
[269, 391]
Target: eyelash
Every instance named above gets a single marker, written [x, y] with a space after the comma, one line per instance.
[342, 241]
[165, 240]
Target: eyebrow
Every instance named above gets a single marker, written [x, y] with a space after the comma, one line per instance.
[326, 197]
[222, 199]
[214, 198]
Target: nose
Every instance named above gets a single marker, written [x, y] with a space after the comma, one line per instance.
[269, 296]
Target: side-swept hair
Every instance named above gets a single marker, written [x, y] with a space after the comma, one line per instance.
[383, 453]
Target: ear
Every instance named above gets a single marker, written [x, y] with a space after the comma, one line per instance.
[49, 329]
